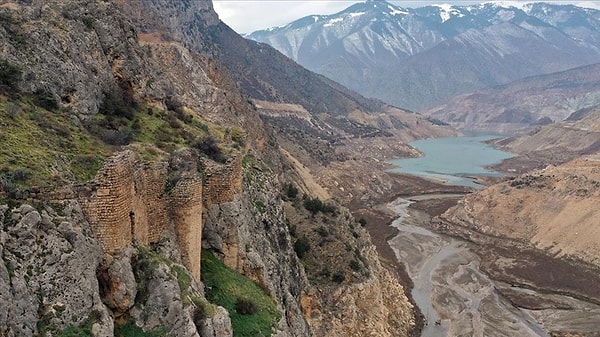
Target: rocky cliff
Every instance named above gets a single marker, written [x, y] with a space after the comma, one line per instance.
[141, 150]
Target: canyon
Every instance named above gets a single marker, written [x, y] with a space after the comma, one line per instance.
[154, 163]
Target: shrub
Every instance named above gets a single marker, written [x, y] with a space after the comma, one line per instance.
[113, 104]
[10, 76]
[362, 222]
[355, 265]
[322, 231]
[208, 145]
[291, 191]
[315, 205]
[302, 246]
[338, 277]
[45, 99]
[245, 307]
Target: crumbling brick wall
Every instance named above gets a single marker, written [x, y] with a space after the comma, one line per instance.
[186, 213]
[222, 182]
[128, 202]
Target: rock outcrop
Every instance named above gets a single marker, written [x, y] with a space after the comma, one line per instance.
[48, 270]
[121, 251]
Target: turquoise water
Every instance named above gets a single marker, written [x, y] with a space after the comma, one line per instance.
[452, 159]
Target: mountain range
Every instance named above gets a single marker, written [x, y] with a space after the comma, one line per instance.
[416, 58]
[519, 105]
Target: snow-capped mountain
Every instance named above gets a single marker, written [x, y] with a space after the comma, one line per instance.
[415, 57]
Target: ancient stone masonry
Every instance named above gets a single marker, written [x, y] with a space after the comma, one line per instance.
[186, 213]
[222, 182]
[128, 203]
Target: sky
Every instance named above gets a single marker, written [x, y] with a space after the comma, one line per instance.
[246, 16]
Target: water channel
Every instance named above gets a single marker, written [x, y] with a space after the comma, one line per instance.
[454, 295]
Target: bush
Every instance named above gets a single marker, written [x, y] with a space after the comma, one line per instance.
[10, 76]
[245, 307]
[302, 246]
[208, 145]
[113, 104]
[45, 99]
[291, 191]
[315, 205]
[355, 265]
[338, 277]
[362, 222]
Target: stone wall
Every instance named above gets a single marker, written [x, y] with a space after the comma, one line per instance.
[222, 182]
[128, 203]
[186, 213]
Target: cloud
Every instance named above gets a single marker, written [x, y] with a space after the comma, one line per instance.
[246, 16]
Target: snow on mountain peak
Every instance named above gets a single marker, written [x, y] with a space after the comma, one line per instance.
[510, 3]
[397, 11]
[447, 11]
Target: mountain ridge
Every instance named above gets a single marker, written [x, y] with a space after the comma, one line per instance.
[371, 45]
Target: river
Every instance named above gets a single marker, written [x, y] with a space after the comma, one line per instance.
[454, 295]
[456, 298]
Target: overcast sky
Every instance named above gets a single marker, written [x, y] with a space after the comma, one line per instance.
[246, 16]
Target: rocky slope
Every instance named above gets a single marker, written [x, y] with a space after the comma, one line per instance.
[525, 103]
[143, 150]
[369, 46]
[553, 144]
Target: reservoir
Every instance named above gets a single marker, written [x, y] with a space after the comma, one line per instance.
[453, 159]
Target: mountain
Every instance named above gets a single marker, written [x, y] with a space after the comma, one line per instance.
[525, 103]
[160, 175]
[414, 58]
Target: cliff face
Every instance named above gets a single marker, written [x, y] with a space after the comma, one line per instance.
[200, 170]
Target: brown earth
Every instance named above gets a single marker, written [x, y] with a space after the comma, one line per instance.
[538, 229]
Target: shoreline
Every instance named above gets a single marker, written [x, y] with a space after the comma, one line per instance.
[379, 218]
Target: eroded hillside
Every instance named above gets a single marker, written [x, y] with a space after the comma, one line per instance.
[537, 229]
[128, 144]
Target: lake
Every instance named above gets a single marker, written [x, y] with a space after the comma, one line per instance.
[453, 159]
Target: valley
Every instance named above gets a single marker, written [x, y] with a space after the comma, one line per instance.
[469, 281]
[162, 175]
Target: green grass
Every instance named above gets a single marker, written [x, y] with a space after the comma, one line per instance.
[225, 287]
[40, 147]
[183, 278]
[46, 148]
[129, 329]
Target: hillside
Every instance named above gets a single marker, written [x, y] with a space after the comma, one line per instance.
[553, 144]
[370, 45]
[524, 104]
[144, 180]
[543, 221]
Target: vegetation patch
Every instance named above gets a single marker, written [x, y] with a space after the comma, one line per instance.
[130, 329]
[315, 205]
[253, 313]
[42, 147]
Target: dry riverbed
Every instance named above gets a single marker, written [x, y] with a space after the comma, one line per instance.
[456, 297]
